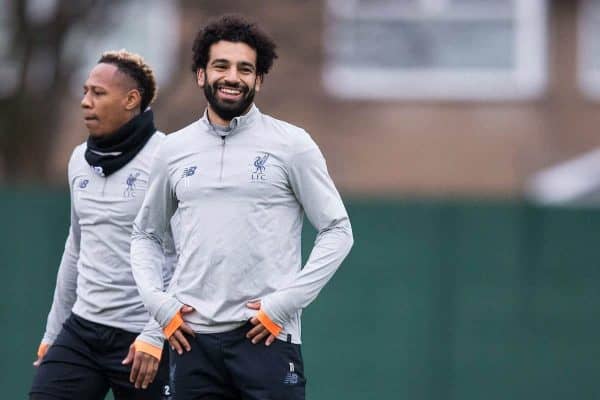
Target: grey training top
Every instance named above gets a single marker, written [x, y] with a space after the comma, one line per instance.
[94, 277]
[241, 198]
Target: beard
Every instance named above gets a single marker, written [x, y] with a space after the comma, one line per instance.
[228, 110]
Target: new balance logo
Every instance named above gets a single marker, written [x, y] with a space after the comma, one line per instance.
[189, 171]
[83, 183]
[98, 170]
[291, 378]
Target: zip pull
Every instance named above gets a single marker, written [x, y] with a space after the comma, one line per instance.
[222, 158]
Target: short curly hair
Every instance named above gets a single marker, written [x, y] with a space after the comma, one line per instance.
[234, 28]
[134, 66]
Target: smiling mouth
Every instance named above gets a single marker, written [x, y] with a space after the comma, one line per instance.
[230, 92]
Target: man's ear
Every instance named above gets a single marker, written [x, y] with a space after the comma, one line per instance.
[259, 82]
[201, 77]
[133, 100]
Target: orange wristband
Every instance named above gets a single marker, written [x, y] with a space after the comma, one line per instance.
[42, 350]
[271, 326]
[173, 325]
[144, 347]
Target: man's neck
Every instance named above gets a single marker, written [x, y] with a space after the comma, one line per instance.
[215, 119]
[126, 120]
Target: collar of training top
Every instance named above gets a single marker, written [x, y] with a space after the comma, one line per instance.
[234, 124]
[107, 155]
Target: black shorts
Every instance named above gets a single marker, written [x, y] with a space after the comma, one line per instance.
[228, 366]
[85, 362]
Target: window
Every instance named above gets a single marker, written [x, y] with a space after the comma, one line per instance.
[147, 27]
[9, 68]
[589, 48]
[435, 49]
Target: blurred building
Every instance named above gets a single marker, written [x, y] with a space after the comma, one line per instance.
[411, 97]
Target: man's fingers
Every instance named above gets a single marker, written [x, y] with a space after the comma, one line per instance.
[135, 368]
[185, 309]
[258, 338]
[182, 340]
[186, 328]
[254, 321]
[255, 305]
[130, 355]
[175, 344]
[150, 372]
[179, 342]
[142, 374]
[269, 340]
[255, 331]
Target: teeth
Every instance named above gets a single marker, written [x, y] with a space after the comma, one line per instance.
[230, 91]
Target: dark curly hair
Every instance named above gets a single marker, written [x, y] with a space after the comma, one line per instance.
[134, 66]
[234, 28]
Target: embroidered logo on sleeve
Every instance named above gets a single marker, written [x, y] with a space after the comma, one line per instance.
[83, 183]
[189, 171]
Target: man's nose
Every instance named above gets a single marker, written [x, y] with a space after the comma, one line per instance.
[232, 75]
[86, 101]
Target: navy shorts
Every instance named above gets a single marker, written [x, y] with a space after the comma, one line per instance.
[228, 366]
[85, 362]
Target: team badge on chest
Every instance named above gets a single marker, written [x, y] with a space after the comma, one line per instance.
[130, 182]
[260, 167]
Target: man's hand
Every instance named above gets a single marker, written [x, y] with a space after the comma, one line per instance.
[177, 341]
[144, 367]
[40, 355]
[259, 332]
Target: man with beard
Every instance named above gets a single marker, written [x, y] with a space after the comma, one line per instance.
[93, 328]
[241, 182]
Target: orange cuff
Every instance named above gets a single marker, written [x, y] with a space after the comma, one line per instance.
[173, 325]
[147, 348]
[271, 326]
[42, 350]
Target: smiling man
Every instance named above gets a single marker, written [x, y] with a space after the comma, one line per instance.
[98, 325]
[241, 182]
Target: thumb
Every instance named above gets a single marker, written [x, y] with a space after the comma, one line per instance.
[254, 306]
[185, 309]
[130, 355]
[42, 350]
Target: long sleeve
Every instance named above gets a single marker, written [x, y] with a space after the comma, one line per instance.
[66, 282]
[150, 231]
[171, 251]
[323, 206]
[152, 336]
[151, 339]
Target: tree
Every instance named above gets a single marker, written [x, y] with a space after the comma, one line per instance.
[30, 108]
